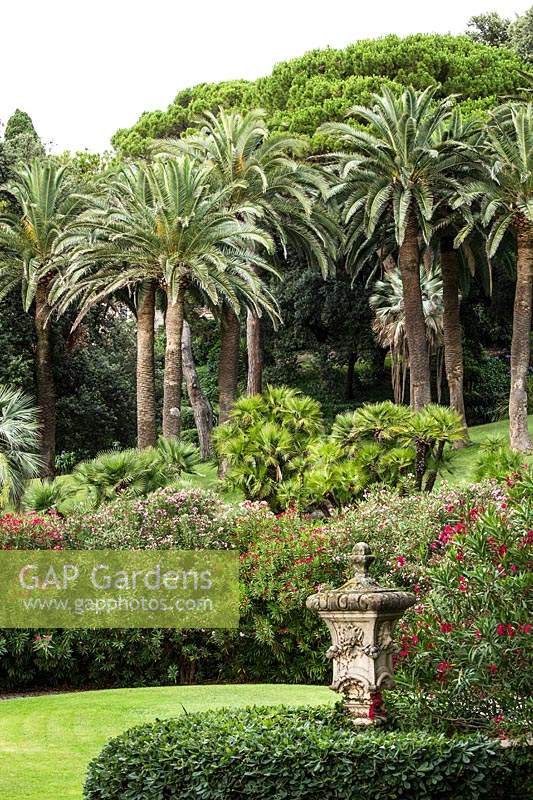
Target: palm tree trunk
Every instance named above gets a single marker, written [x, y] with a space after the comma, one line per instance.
[415, 324]
[46, 396]
[520, 347]
[255, 354]
[452, 333]
[173, 367]
[350, 375]
[146, 425]
[228, 366]
[201, 408]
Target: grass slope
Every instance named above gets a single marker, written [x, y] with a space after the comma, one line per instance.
[464, 463]
[46, 742]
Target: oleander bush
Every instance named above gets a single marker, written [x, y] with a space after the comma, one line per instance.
[466, 650]
[443, 546]
[277, 753]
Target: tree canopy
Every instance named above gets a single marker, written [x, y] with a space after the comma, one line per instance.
[322, 85]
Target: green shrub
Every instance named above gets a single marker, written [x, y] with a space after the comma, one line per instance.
[496, 459]
[113, 474]
[276, 753]
[276, 450]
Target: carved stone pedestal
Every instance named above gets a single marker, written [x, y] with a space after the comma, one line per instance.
[361, 616]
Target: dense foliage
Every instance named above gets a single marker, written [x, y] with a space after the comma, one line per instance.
[274, 753]
[322, 85]
[276, 449]
[464, 653]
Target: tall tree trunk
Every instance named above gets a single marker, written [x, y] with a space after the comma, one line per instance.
[146, 425]
[415, 325]
[452, 333]
[173, 366]
[228, 365]
[255, 354]
[201, 408]
[46, 395]
[518, 429]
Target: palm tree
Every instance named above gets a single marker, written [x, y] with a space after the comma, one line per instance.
[263, 171]
[19, 443]
[506, 197]
[387, 302]
[44, 205]
[394, 172]
[168, 223]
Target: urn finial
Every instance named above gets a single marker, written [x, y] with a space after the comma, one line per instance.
[361, 559]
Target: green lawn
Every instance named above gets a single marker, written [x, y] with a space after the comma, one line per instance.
[46, 742]
[464, 463]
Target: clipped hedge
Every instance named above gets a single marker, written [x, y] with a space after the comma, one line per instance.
[274, 753]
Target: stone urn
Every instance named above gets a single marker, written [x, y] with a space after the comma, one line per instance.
[361, 616]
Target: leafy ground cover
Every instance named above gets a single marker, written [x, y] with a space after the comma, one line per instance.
[46, 742]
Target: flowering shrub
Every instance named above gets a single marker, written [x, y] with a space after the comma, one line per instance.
[31, 532]
[401, 528]
[179, 518]
[289, 558]
[466, 656]
[465, 650]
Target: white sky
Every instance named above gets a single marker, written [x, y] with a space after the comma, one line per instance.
[82, 70]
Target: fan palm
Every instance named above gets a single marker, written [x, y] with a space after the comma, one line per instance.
[506, 197]
[44, 205]
[389, 325]
[170, 224]
[394, 172]
[19, 443]
[262, 170]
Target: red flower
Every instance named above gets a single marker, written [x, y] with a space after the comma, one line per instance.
[400, 561]
[463, 585]
[501, 630]
[493, 669]
[527, 628]
[376, 706]
[477, 634]
[446, 627]
[443, 667]
[502, 550]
